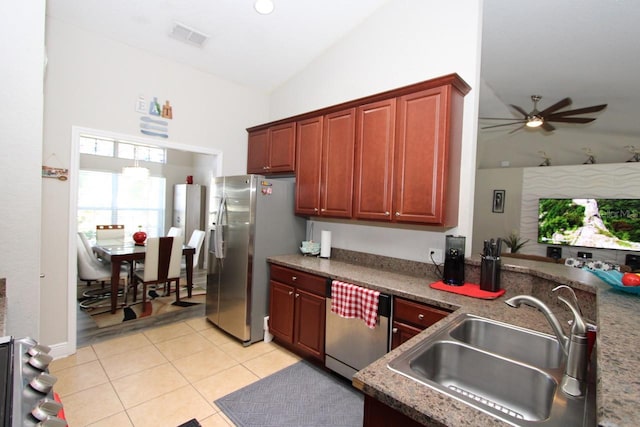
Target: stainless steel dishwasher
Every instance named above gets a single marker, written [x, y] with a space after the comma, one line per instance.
[349, 344]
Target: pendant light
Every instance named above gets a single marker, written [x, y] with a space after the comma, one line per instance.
[136, 171]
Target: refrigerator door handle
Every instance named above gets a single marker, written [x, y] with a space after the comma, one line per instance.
[219, 237]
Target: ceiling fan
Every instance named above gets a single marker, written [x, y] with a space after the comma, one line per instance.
[543, 118]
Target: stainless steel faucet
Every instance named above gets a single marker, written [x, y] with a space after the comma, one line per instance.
[574, 347]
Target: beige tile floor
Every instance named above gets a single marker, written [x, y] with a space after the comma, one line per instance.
[161, 377]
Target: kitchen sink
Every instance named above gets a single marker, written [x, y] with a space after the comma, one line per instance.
[515, 389]
[527, 346]
[509, 372]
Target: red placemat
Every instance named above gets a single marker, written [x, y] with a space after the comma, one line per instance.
[469, 289]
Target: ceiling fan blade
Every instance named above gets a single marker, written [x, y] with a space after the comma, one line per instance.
[498, 118]
[558, 105]
[548, 127]
[503, 124]
[520, 110]
[570, 119]
[592, 109]
[516, 129]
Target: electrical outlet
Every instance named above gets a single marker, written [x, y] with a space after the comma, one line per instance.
[435, 255]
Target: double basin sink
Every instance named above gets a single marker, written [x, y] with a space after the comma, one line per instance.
[509, 372]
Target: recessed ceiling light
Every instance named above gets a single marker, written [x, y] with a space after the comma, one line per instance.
[263, 7]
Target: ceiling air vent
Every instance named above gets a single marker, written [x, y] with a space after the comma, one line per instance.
[188, 35]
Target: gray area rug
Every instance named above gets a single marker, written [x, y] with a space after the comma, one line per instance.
[300, 395]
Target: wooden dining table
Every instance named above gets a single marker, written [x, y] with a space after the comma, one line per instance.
[120, 252]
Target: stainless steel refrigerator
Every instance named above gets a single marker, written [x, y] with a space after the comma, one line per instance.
[251, 219]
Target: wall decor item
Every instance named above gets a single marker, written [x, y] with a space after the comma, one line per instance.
[59, 173]
[498, 201]
[154, 120]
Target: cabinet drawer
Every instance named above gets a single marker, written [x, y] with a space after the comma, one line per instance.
[299, 279]
[416, 314]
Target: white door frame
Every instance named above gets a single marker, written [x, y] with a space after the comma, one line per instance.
[74, 170]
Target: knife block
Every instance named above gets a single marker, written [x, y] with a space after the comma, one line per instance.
[490, 274]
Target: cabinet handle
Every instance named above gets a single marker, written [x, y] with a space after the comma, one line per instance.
[322, 210]
[394, 330]
[297, 295]
[315, 209]
[290, 292]
[386, 213]
[397, 213]
[420, 316]
[294, 278]
[266, 167]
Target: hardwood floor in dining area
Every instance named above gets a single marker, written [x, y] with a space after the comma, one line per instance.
[88, 332]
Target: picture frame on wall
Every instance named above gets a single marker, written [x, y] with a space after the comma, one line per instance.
[498, 201]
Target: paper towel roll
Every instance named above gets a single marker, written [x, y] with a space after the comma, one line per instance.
[325, 244]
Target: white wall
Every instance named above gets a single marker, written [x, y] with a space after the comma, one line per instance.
[404, 42]
[93, 83]
[21, 106]
[524, 186]
[486, 223]
[616, 181]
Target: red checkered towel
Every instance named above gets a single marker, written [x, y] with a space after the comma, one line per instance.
[352, 301]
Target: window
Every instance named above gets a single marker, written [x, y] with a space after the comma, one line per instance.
[120, 149]
[111, 198]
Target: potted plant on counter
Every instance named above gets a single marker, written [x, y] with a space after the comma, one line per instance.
[514, 242]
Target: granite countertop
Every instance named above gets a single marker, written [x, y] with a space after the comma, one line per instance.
[618, 320]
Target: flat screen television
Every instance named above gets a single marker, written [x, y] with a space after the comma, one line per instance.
[590, 223]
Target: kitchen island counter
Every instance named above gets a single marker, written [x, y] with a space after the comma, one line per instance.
[618, 389]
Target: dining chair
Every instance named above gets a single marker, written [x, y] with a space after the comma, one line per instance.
[110, 233]
[92, 270]
[161, 265]
[196, 241]
[174, 232]
[86, 243]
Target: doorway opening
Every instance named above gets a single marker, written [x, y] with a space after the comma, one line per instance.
[206, 164]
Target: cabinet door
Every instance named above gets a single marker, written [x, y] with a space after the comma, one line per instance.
[377, 414]
[258, 152]
[374, 160]
[282, 148]
[281, 309]
[420, 157]
[308, 161]
[309, 323]
[337, 164]
[401, 333]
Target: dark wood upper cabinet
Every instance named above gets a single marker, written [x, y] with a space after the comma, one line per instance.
[324, 176]
[337, 164]
[408, 158]
[272, 150]
[422, 167]
[309, 161]
[375, 138]
[393, 157]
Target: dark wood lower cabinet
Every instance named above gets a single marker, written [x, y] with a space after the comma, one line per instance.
[377, 414]
[297, 311]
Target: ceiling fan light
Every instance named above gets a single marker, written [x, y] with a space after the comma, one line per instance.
[535, 122]
[263, 7]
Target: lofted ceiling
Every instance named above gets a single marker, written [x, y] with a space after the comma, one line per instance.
[259, 51]
[587, 50]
